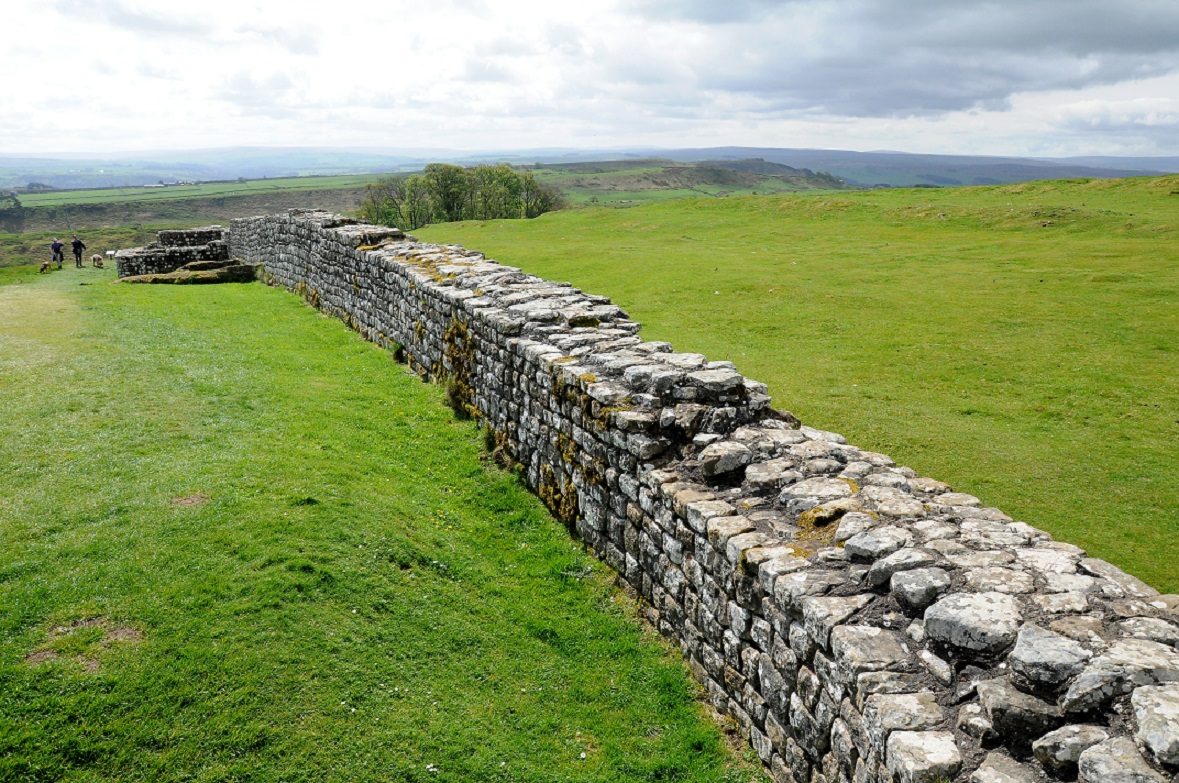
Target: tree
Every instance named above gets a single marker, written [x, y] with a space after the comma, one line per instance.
[495, 193]
[538, 198]
[404, 202]
[448, 188]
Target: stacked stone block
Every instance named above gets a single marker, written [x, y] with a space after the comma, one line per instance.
[172, 250]
[859, 622]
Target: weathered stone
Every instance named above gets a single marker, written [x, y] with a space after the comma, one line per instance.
[985, 623]
[1060, 749]
[821, 615]
[917, 589]
[901, 560]
[1090, 630]
[1131, 584]
[819, 489]
[1000, 768]
[1046, 659]
[1048, 561]
[723, 458]
[1150, 628]
[771, 474]
[1015, 715]
[974, 722]
[862, 648]
[1115, 760]
[1126, 665]
[922, 756]
[791, 588]
[938, 669]
[999, 580]
[1156, 710]
[852, 525]
[721, 529]
[876, 543]
[885, 713]
[969, 558]
[1061, 603]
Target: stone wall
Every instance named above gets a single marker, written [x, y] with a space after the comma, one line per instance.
[858, 621]
[172, 250]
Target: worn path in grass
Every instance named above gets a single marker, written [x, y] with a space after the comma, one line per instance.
[241, 544]
[1020, 342]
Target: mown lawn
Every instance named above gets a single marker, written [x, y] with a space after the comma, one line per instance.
[1020, 341]
[241, 544]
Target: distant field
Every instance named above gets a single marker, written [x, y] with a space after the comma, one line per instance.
[204, 190]
[1020, 341]
[240, 543]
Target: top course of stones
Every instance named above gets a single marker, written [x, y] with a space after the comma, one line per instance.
[858, 621]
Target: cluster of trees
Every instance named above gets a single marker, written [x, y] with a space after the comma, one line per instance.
[444, 193]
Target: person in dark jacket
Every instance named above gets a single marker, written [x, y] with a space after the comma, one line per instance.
[58, 254]
[78, 246]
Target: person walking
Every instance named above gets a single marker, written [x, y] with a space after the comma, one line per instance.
[58, 249]
[78, 246]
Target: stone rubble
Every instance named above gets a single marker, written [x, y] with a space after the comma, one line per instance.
[859, 622]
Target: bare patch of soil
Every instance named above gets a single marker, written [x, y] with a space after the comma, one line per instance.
[40, 656]
[190, 500]
[123, 634]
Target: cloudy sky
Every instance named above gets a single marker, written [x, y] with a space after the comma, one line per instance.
[1004, 77]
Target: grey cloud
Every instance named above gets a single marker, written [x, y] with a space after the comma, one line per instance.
[303, 41]
[120, 14]
[921, 57]
[709, 11]
[269, 96]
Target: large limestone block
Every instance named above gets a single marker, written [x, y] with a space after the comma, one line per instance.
[885, 713]
[1061, 749]
[1116, 761]
[923, 756]
[1126, 665]
[1047, 659]
[985, 623]
[1156, 711]
[1000, 768]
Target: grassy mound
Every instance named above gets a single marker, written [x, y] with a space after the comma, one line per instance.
[241, 544]
[1020, 341]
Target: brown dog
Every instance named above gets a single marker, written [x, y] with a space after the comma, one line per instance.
[45, 266]
[96, 260]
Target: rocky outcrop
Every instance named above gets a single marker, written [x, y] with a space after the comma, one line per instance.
[860, 622]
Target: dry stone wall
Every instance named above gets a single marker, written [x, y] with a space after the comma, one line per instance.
[861, 623]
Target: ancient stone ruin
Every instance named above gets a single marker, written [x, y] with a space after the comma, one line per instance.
[173, 250]
[860, 622]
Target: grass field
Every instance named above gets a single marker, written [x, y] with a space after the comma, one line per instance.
[242, 544]
[204, 190]
[1020, 342]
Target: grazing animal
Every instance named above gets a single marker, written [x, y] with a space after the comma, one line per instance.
[96, 260]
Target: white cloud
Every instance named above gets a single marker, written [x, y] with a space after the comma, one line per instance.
[1002, 77]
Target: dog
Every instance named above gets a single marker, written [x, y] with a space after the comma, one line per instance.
[96, 260]
[45, 266]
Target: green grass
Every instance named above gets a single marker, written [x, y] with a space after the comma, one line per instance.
[1019, 341]
[203, 190]
[242, 544]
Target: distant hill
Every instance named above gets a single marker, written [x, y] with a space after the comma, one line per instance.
[865, 169]
[636, 180]
[901, 169]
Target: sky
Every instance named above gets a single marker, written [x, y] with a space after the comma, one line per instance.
[997, 77]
